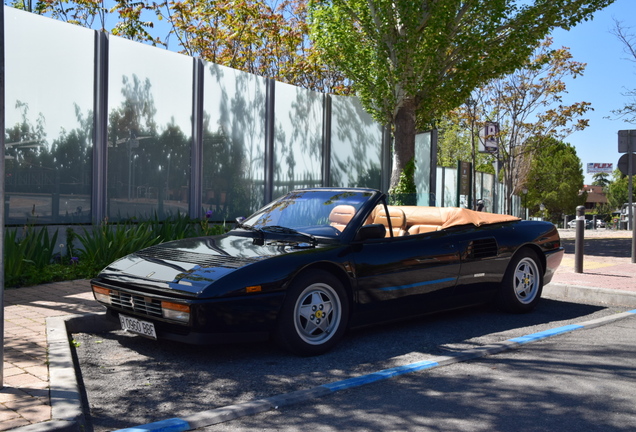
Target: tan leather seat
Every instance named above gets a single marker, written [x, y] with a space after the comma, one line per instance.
[420, 229]
[398, 221]
[340, 216]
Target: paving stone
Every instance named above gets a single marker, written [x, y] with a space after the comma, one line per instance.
[10, 393]
[11, 371]
[24, 380]
[13, 423]
[8, 414]
[40, 371]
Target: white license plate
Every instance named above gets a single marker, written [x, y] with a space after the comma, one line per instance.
[140, 327]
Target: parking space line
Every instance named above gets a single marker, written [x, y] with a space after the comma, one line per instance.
[170, 425]
[381, 375]
[545, 334]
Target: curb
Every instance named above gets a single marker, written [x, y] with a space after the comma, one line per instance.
[591, 294]
[224, 414]
[66, 402]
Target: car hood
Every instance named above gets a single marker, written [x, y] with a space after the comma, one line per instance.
[190, 265]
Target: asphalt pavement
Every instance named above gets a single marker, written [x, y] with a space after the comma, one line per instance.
[578, 381]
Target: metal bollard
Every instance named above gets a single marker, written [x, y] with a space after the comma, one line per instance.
[578, 242]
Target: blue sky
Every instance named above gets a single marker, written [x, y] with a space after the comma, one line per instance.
[609, 73]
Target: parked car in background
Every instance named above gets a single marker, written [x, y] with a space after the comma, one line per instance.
[588, 224]
[316, 262]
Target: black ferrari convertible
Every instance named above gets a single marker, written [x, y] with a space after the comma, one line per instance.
[315, 262]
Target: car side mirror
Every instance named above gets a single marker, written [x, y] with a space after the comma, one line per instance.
[370, 232]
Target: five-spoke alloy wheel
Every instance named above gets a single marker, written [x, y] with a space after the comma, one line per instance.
[314, 315]
[522, 284]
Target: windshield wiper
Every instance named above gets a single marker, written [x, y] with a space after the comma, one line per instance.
[277, 229]
[260, 239]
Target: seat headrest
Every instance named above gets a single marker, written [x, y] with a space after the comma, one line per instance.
[398, 218]
[341, 215]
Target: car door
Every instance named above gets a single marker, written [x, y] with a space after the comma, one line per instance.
[407, 275]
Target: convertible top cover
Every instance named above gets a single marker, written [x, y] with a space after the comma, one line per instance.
[446, 217]
[425, 219]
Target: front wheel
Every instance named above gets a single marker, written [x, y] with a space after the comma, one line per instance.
[314, 315]
[522, 285]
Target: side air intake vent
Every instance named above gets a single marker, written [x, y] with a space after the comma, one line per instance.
[482, 248]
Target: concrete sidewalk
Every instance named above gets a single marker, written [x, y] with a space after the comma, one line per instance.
[608, 275]
[25, 399]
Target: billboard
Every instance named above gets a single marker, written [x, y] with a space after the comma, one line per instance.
[593, 168]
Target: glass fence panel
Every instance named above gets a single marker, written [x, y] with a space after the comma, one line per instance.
[356, 145]
[149, 131]
[478, 189]
[450, 187]
[488, 181]
[298, 139]
[500, 198]
[423, 168]
[233, 142]
[49, 120]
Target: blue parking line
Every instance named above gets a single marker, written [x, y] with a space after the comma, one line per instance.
[170, 425]
[546, 334]
[379, 376]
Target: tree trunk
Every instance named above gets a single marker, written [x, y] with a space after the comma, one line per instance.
[404, 145]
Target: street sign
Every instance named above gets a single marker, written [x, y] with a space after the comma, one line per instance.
[489, 138]
[623, 163]
[627, 165]
[625, 138]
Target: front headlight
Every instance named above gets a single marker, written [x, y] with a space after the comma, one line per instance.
[175, 311]
[102, 295]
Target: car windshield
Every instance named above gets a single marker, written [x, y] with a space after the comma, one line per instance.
[323, 213]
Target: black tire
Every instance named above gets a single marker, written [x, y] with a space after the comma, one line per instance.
[522, 284]
[314, 315]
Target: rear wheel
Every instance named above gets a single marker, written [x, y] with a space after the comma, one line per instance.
[522, 285]
[314, 315]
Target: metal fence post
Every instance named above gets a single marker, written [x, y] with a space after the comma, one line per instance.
[2, 196]
[99, 198]
[270, 106]
[326, 140]
[196, 151]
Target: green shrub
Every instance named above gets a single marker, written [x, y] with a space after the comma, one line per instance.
[31, 258]
[105, 243]
[405, 193]
[27, 253]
